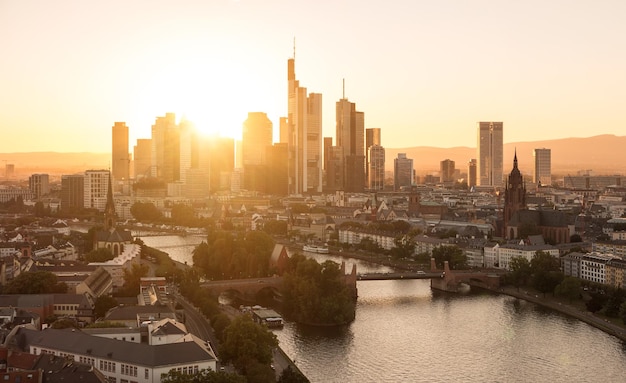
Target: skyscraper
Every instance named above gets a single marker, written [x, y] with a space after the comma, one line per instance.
[543, 166]
[471, 173]
[402, 172]
[303, 134]
[376, 167]
[166, 149]
[446, 171]
[96, 186]
[142, 154]
[120, 160]
[256, 136]
[490, 151]
[72, 192]
[350, 136]
[372, 137]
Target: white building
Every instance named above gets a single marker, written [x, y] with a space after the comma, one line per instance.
[499, 256]
[95, 189]
[593, 267]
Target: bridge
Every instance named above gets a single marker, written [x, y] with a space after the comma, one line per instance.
[444, 280]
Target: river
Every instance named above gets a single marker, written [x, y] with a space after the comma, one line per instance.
[405, 332]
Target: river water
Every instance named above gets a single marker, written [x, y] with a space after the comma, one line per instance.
[405, 332]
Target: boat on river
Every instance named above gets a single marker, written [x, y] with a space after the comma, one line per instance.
[319, 249]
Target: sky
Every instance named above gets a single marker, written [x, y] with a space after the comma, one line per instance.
[425, 72]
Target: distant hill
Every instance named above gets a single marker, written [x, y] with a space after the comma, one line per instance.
[604, 154]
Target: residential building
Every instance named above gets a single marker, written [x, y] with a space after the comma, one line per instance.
[72, 192]
[490, 148]
[120, 157]
[96, 186]
[446, 171]
[39, 184]
[542, 174]
[499, 256]
[472, 173]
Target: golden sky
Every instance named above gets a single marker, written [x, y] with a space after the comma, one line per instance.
[423, 71]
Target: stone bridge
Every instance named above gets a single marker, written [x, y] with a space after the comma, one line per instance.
[453, 278]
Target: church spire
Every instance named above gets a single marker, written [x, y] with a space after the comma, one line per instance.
[109, 208]
[515, 159]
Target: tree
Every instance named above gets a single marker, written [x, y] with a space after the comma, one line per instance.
[453, 254]
[569, 288]
[289, 375]
[145, 211]
[246, 343]
[613, 303]
[404, 247]
[519, 271]
[202, 376]
[575, 238]
[132, 278]
[275, 227]
[103, 304]
[99, 255]
[37, 282]
[544, 261]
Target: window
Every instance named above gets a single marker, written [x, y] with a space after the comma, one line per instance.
[147, 376]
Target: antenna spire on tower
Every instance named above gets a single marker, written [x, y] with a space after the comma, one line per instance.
[343, 88]
[294, 47]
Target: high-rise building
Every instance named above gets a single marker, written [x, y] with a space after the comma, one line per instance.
[72, 192]
[543, 166]
[376, 167]
[350, 136]
[142, 154]
[372, 137]
[335, 169]
[402, 172]
[256, 136]
[120, 160]
[303, 134]
[96, 184]
[277, 172]
[471, 173]
[166, 149]
[9, 171]
[39, 184]
[446, 171]
[218, 155]
[490, 154]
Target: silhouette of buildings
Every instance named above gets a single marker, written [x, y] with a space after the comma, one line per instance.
[257, 136]
[142, 158]
[165, 161]
[542, 174]
[490, 154]
[120, 158]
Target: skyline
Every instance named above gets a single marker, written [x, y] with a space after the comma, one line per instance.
[430, 71]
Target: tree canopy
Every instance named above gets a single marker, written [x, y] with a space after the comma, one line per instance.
[315, 293]
[202, 376]
[99, 255]
[453, 254]
[37, 282]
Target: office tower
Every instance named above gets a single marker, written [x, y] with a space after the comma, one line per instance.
[303, 134]
[96, 184]
[39, 184]
[350, 136]
[402, 172]
[142, 154]
[543, 166]
[514, 197]
[218, 155]
[257, 136]
[189, 149]
[72, 192]
[490, 149]
[376, 167]
[471, 173]
[328, 143]
[335, 170]
[277, 171]
[166, 149]
[446, 171]
[120, 160]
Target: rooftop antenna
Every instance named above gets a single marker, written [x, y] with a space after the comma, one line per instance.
[344, 88]
[294, 47]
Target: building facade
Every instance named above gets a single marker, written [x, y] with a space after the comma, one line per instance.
[39, 184]
[96, 185]
[490, 154]
[376, 167]
[350, 130]
[72, 192]
[402, 172]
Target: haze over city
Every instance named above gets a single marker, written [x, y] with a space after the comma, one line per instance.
[423, 72]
